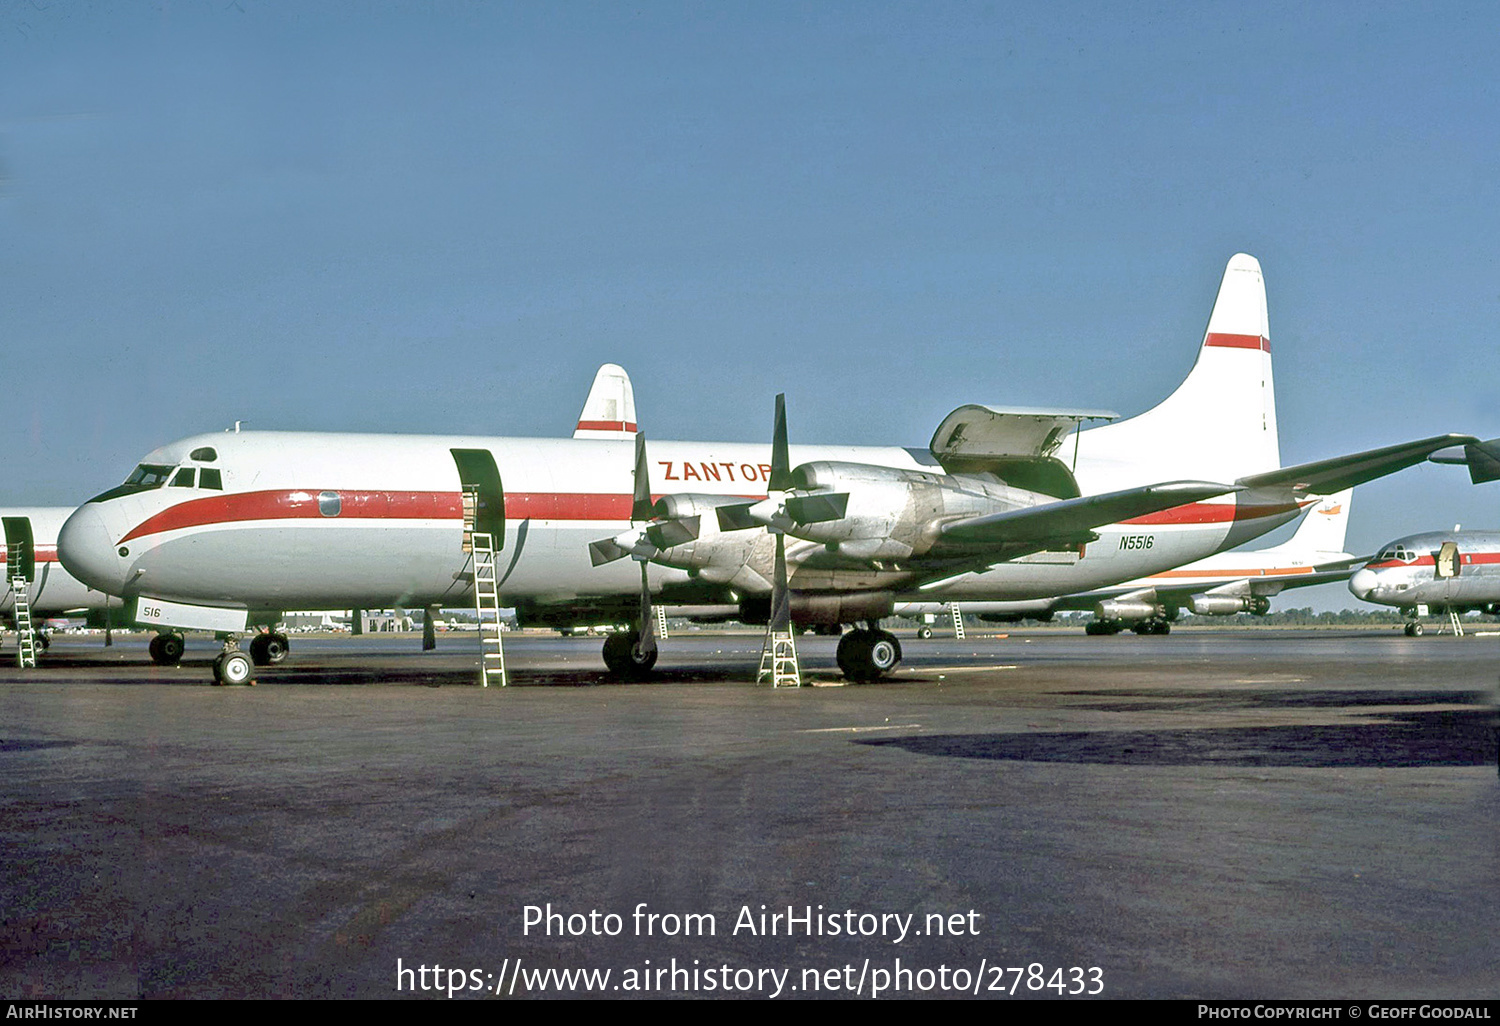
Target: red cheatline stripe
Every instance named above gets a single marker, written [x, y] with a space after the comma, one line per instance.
[606, 425]
[1465, 558]
[47, 555]
[303, 505]
[1273, 572]
[1214, 513]
[1216, 338]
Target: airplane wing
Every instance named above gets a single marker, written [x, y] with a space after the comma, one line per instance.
[1332, 475]
[1072, 520]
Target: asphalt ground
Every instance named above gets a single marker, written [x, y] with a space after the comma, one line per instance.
[1251, 814]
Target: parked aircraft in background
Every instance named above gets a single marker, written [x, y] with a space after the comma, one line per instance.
[218, 531]
[1451, 572]
[31, 544]
[1221, 585]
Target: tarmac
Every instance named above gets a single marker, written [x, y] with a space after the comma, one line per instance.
[1216, 814]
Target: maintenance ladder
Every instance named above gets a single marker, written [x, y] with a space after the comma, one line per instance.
[958, 620]
[778, 660]
[487, 610]
[25, 635]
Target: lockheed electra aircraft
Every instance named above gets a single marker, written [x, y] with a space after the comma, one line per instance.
[31, 553]
[1221, 585]
[218, 531]
[1450, 572]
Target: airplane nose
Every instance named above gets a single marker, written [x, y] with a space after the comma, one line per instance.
[86, 547]
[1362, 584]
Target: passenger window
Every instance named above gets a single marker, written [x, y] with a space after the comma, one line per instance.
[184, 478]
[210, 478]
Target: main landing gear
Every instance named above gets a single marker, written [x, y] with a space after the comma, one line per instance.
[625, 658]
[1414, 630]
[269, 649]
[166, 648]
[868, 653]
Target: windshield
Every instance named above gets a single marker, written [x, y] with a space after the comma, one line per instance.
[142, 478]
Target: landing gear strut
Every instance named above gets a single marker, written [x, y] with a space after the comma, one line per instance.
[166, 648]
[868, 653]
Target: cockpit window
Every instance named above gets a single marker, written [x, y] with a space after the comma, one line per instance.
[210, 478]
[1399, 553]
[148, 475]
[184, 478]
[144, 478]
[204, 454]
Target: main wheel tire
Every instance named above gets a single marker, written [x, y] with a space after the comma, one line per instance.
[850, 653]
[278, 647]
[43, 642]
[924, 632]
[233, 668]
[623, 656]
[885, 653]
[166, 649]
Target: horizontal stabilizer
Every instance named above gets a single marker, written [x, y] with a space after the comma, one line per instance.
[1482, 459]
[1075, 518]
[1340, 472]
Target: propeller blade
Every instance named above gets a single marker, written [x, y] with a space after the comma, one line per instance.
[640, 507]
[818, 507]
[664, 534]
[606, 550]
[736, 517]
[781, 463]
[647, 643]
[781, 598]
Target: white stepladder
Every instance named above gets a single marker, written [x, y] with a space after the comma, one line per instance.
[661, 623]
[1458, 627]
[778, 660]
[958, 620]
[486, 594]
[25, 634]
[778, 655]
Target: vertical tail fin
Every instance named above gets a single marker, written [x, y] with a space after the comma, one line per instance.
[1325, 527]
[609, 411]
[1220, 423]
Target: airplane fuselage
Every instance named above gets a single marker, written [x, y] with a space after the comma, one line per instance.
[297, 520]
[1457, 570]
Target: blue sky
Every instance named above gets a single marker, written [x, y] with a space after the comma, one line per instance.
[443, 216]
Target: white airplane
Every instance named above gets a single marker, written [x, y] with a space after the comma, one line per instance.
[1220, 585]
[212, 531]
[1451, 572]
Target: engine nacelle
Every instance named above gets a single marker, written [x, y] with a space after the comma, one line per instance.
[1228, 605]
[810, 609]
[894, 513]
[1129, 609]
[715, 555]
